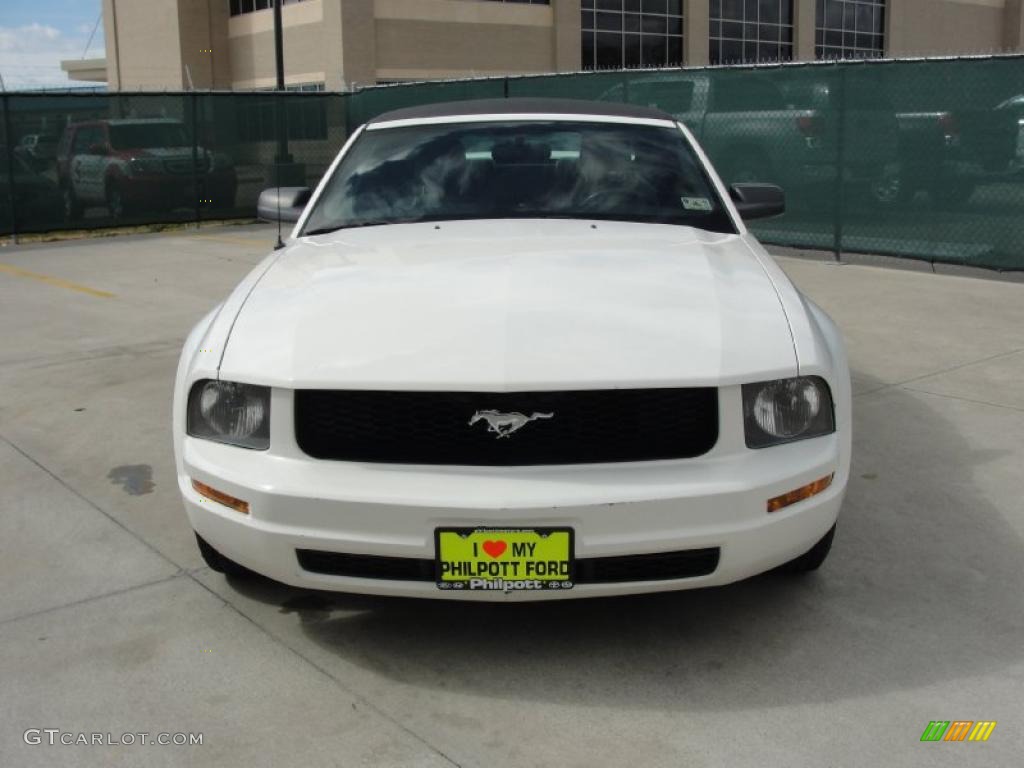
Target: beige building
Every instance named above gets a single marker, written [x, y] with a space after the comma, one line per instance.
[338, 44]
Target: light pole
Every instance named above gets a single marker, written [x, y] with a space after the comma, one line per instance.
[278, 45]
[286, 172]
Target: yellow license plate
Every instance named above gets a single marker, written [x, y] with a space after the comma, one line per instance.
[504, 559]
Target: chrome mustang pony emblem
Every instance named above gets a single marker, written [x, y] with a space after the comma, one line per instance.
[504, 424]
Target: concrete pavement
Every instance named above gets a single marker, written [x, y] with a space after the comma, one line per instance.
[110, 623]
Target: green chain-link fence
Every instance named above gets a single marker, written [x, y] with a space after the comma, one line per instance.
[921, 159]
[79, 161]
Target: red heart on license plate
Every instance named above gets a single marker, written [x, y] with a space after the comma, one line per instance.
[495, 548]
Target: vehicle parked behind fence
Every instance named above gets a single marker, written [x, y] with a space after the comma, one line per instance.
[136, 165]
[948, 152]
[754, 130]
[38, 149]
[34, 194]
[853, 125]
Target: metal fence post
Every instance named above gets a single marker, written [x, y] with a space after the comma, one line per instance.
[346, 112]
[194, 97]
[9, 141]
[839, 210]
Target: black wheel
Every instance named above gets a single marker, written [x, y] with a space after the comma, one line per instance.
[72, 208]
[889, 189]
[117, 206]
[951, 192]
[218, 562]
[812, 559]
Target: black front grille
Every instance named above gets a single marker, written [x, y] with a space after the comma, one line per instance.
[182, 165]
[584, 426]
[657, 566]
[366, 566]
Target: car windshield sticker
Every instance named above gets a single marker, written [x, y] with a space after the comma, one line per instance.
[696, 203]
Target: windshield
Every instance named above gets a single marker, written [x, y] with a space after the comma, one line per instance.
[147, 135]
[503, 170]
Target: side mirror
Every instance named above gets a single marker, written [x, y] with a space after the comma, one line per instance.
[758, 201]
[284, 203]
[99, 149]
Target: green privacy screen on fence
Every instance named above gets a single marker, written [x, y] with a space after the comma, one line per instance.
[94, 160]
[921, 159]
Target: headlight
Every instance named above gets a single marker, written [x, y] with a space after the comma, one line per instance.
[145, 165]
[785, 410]
[217, 161]
[226, 412]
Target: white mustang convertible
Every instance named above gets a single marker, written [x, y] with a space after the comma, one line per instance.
[515, 349]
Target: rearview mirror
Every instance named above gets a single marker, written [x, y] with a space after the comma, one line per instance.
[284, 203]
[758, 201]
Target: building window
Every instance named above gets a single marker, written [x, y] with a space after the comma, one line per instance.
[632, 33]
[850, 29]
[238, 7]
[748, 31]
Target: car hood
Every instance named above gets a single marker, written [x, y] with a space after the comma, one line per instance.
[512, 305]
[165, 153]
[161, 151]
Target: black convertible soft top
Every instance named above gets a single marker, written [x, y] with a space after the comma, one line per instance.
[522, 107]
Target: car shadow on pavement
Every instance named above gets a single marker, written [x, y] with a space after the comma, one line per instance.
[923, 585]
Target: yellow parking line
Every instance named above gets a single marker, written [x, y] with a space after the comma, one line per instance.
[56, 281]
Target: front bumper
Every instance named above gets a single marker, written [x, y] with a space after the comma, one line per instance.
[715, 501]
[853, 173]
[215, 188]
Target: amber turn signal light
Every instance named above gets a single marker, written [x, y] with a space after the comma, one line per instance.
[801, 493]
[220, 497]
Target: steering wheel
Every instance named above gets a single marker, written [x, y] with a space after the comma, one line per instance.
[619, 188]
[610, 199]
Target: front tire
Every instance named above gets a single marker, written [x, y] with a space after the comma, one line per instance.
[888, 190]
[812, 559]
[117, 206]
[951, 193]
[72, 207]
[218, 562]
